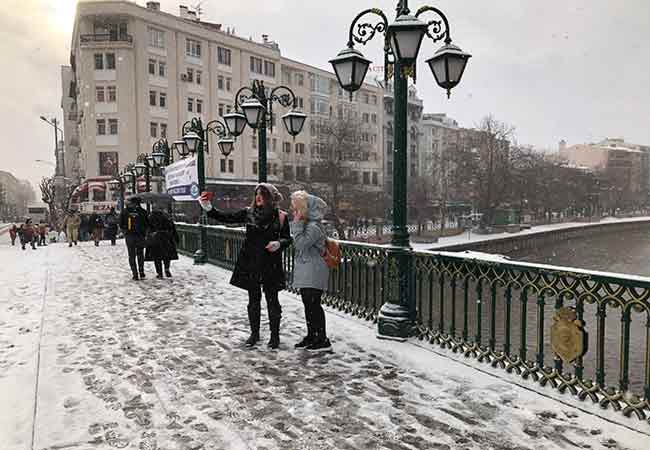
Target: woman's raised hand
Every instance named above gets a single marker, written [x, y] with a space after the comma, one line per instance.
[205, 200]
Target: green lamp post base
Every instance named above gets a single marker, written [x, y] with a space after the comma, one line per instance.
[394, 323]
[200, 257]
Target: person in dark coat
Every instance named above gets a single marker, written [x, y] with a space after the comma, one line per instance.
[259, 264]
[28, 234]
[161, 248]
[134, 222]
[111, 226]
[13, 232]
[96, 227]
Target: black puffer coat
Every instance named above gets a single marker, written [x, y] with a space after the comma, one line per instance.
[256, 265]
[162, 237]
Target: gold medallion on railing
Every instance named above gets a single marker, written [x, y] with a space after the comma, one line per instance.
[568, 338]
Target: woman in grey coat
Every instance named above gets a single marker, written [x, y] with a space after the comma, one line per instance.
[310, 273]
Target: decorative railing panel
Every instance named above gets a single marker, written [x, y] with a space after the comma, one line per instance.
[582, 332]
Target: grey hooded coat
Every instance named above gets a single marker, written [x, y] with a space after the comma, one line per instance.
[310, 270]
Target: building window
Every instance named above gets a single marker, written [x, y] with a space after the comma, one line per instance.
[112, 126]
[99, 61]
[163, 130]
[254, 168]
[373, 118]
[152, 67]
[162, 69]
[366, 98]
[256, 65]
[224, 56]
[199, 106]
[156, 38]
[231, 166]
[108, 163]
[222, 165]
[112, 94]
[110, 61]
[99, 94]
[366, 178]
[220, 83]
[375, 179]
[228, 84]
[389, 147]
[152, 98]
[374, 99]
[301, 173]
[153, 128]
[300, 102]
[300, 149]
[288, 172]
[163, 100]
[190, 105]
[254, 141]
[228, 109]
[269, 69]
[366, 118]
[414, 171]
[198, 76]
[286, 147]
[193, 48]
[190, 75]
[220, 109]
[300, 79]
[101, 127]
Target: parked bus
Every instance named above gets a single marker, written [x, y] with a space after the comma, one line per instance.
[38, 212]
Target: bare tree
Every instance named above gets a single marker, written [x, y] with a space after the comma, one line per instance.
[48, 195]
[494, 171]
[340, 148]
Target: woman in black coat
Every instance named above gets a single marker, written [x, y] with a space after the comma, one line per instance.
[161, 242]
[259, 265]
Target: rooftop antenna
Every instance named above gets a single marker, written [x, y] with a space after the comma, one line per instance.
[198, 9]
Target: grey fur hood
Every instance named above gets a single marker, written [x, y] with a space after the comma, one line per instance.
[316, 208]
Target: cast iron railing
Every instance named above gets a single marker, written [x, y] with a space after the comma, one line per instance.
[499, 312]
[106, 37]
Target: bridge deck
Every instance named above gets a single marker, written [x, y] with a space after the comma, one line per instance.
[92, 360]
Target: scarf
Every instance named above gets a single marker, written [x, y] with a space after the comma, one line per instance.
[263, 217]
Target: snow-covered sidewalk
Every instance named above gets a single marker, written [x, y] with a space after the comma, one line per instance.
[91, 360]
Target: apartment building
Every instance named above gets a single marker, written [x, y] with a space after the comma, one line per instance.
[139, 74]
[415, 134]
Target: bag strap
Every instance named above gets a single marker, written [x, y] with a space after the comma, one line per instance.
[283, 217]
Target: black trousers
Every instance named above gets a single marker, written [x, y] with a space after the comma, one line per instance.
[314, 314]
[272, 305]
[158, 263]
[136, 250]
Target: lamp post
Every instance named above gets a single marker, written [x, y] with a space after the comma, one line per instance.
[257, 112]
[402, 41]
[196, 140]
[60, 163]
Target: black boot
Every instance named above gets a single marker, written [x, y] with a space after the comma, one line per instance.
[274, 342]
[254, 321]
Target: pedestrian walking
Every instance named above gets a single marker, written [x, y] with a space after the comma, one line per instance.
[42, 233]
[13, 233]
[111, 223]
[310, 272]
[134, 222]
[96, 226]
[71, 225]
[161, 242]
[259, 264]
[28, 234]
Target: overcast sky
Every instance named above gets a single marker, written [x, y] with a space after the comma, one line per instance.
[556, 69]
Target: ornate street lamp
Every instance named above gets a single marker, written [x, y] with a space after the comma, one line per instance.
[114, 184]
[402, 40]
[140, 169]
[257, 110]
[196, 141]
[181, 148]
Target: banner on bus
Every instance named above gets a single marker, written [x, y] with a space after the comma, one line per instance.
[182, 180]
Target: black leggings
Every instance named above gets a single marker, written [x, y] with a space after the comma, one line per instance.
[158, 263]
[135, 249]
[272, 305]
[314, 314]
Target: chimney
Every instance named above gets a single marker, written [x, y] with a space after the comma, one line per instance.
[265, 38]
[154, 6]
[184, 12]
[562, 145]
[192, 15]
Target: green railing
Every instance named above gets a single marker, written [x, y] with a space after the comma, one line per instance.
[500, 312]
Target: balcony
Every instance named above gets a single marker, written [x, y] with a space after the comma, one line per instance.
[106, 40]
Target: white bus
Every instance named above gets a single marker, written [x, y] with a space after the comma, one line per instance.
[37, 212]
